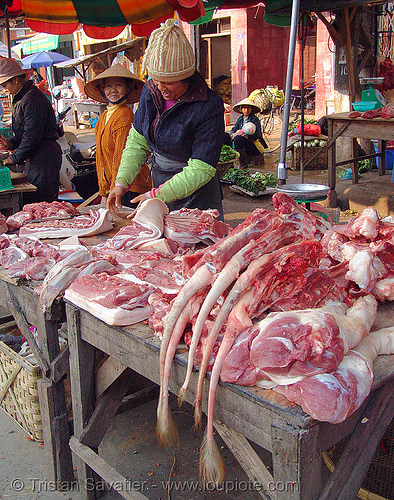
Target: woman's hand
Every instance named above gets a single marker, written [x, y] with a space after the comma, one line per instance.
[139, 199]
[4, 142]
[114, 201]
[8, 161]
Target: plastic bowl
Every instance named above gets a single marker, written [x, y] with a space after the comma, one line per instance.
[363, 105]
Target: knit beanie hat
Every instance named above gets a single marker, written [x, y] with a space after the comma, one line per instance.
[169, 56]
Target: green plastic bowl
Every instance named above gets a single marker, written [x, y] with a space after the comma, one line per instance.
[364, 105]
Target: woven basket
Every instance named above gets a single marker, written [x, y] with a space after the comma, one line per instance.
[20, 400]
[319, 162]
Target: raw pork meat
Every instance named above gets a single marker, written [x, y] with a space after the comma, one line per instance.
[113, 299]
[35, 268]
[10, 255]
[296, 344]
[333, 397]
[42, 210]
[304, 221]
[194, 225]
[147, 225]
[96, 222]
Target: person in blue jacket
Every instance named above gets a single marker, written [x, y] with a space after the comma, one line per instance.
[180, 121]
[33, 143]
[246, 144]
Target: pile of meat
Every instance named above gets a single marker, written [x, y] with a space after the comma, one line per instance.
[385, 112]
[284, 300]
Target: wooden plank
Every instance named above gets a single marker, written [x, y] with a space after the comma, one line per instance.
[353, 465]
[56, 436]
[105, 410]
[297, 462]
[17, 312]
[108, 372]
[256, 471]
[123, 485]
[59, 366]
[82, 390]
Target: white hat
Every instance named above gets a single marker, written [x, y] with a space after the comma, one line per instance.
[169, 56]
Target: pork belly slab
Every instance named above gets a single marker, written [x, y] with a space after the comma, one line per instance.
[96, 222]
[114, 299]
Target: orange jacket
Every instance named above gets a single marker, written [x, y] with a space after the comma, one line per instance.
[110, 142]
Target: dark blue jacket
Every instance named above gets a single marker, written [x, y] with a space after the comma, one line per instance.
[192, 128]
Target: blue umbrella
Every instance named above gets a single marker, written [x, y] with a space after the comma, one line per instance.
[43, 59]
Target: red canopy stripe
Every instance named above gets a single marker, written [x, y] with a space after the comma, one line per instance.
[61, 16]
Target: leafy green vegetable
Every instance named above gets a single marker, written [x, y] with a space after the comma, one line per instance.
[293, 125]
[227, 153]
[250, 182]
[364, 165]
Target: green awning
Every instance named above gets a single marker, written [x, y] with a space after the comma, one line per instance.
[40, 43]
[278, 12]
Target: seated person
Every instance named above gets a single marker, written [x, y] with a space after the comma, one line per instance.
[246, 144]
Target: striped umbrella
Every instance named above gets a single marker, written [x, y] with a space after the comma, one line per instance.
[106, 18]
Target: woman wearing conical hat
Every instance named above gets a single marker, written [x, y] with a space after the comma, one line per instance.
[117, 87]
[247, 141]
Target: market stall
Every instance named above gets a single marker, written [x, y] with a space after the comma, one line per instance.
[342, 125]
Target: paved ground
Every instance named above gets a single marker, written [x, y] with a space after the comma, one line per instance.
[130, 443]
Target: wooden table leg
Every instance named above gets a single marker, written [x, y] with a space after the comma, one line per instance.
[296, 461]
[332, 195]
[355, 161]
[382, 157]
[353, 465]
[82, 362]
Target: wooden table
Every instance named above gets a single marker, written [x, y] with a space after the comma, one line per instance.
[11, 199]
[340, 125]
[295, 440]
[17, 295]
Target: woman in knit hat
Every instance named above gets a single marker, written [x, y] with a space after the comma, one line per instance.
[180, 120]
[247, 139]
[116, 86]
[34, 133]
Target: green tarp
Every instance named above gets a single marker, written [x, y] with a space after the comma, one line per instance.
[278, 12]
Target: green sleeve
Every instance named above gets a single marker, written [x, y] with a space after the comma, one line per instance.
[195, 175]
[133, 157]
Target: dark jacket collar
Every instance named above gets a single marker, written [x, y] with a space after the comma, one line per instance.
[197, 91]
[23, 91]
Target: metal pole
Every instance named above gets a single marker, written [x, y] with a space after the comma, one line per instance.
[7, 27]
[282, 167]
[302, 112]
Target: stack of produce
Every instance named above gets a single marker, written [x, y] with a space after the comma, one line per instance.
[223, 88]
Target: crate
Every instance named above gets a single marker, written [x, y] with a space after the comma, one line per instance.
[223, 166]
[319, 162]
[18, 391]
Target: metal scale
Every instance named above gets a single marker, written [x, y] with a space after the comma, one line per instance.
[370, 93]
[5, 175]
